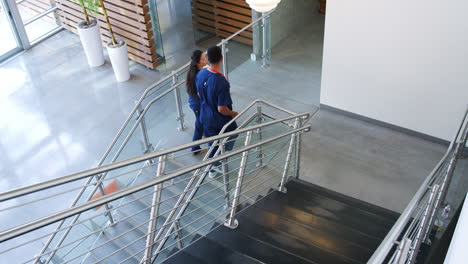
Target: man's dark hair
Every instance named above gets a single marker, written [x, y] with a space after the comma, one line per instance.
[214, 54]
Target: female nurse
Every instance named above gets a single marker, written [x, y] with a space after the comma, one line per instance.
[198, 61]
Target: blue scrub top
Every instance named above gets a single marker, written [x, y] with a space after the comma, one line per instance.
[214, 91]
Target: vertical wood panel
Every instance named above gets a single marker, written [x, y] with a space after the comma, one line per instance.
[223, 18]
[130, 21]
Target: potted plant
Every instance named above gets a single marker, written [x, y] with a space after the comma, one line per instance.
[90, 37]
[117, 50]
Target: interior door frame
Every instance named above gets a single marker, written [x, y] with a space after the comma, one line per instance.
[12, 15]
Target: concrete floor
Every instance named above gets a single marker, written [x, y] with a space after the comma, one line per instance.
[59, 116]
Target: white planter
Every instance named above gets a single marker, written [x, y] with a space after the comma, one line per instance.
[92, 44]
[119, 60]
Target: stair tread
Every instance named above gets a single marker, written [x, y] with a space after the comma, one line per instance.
[253, 248]
[344, 216]
[112, 252]
[182, 257]
[316, 221]
[309, 243]
[328, 202]
[217, 252]
[369, 208]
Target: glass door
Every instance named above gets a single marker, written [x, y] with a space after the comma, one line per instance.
[39, 18]
[9, 42]
[24, 23]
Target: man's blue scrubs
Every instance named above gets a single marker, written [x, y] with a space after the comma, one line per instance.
[214, 91]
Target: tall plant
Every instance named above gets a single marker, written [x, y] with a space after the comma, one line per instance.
[88, 4]
[109, 26]
[93, 5]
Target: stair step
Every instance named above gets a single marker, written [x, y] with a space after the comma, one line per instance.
[92, 258]
[326, 225]
[109, 248]
[345, 208]
[364, 207]
[217, 253]
[133, 241]
[341, 214]
[253, 248]
[181, 257]
[309, 243]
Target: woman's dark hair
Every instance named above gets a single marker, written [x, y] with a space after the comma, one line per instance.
[192, 73]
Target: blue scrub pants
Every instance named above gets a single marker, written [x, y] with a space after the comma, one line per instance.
[229, 145]
[198, 132]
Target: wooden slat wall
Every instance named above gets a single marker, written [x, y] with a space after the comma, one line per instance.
[130, 21]
[223, 18]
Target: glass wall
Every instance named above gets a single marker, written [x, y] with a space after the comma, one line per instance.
[23, 23]
[9, 43]
[39, 17]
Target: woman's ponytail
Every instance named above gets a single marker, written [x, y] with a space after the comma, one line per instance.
[192, 73]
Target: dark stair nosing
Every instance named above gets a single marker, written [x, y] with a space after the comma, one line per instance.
[254, 248]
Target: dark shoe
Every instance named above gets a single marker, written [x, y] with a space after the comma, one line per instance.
[196, 152]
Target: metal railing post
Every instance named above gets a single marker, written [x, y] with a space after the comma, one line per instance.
[259, 120]
[445, 185]
[281, 187]
[180, 111]
[264, 40]
[424, 222]
[403, 250]
[298, 152]
[231, 222]
[225, 175]
[144, 131]
[154, 213]
[224, 52]
[178, 234]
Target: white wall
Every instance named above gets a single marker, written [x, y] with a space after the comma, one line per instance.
[401, 62]
[289, 16]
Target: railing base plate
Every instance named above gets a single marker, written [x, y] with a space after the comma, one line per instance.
[283, 189]
[234, 225]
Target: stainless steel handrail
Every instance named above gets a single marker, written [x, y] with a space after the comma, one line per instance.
[389, 241]
[106, 168]
[34, 225]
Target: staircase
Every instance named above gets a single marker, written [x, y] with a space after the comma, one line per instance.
[309, 224]
[125, 241]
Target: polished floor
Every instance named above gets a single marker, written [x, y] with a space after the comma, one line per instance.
[59, 116]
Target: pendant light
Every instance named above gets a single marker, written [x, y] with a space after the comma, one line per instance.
[263, 5]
